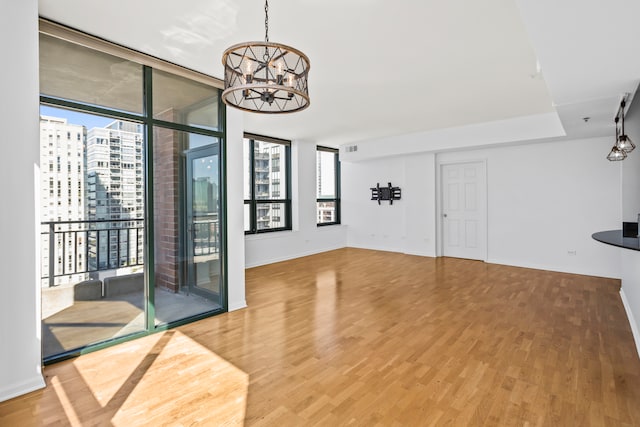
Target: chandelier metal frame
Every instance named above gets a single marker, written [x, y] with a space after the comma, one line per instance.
[266, 77]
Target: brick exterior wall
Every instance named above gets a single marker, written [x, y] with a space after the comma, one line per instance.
[166, 168]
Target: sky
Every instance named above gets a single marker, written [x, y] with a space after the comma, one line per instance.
[73, 117]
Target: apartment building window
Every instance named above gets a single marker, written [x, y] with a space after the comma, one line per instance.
[267, 184]
[327, 186]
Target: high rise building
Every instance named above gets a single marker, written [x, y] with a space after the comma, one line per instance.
[326, 186]
[62, 195]
[115, 194]
[268, 177]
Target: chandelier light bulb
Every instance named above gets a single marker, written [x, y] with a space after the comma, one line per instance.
[616, 154]
[625, 144]
[248, 70]
[279, 73]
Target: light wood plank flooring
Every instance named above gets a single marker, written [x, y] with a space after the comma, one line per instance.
[358, 337]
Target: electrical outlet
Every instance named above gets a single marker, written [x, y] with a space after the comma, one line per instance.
[571, 252]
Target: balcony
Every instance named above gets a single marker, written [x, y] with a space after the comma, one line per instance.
[93, 286]
[65, 239]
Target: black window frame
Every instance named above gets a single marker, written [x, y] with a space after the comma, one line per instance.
[336, 200]
[252, 202]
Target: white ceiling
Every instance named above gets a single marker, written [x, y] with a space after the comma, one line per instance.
[381, 68]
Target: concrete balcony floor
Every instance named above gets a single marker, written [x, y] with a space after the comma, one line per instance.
[89, 322]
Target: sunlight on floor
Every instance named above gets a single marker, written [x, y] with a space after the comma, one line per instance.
[91, 388]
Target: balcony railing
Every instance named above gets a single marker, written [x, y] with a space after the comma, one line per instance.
[206, 235]
[76, 247]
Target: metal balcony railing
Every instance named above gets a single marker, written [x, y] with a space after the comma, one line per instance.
[205, 235]
[75, 247]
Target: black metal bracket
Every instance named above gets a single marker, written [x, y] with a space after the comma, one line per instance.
[385, 193]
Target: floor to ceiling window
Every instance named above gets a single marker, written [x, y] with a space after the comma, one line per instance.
[131, 207]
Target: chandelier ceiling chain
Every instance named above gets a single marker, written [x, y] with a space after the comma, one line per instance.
[265, 77]
[266, 21]
[624, 142]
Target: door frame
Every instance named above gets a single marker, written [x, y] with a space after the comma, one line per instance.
[439, 204]
[187, 256]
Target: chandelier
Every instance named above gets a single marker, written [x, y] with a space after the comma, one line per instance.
[616, 153]
[623, 144]
[265, 77]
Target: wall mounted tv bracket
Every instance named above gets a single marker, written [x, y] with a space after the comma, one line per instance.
[385, 193]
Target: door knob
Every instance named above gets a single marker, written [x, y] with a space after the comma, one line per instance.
[444, 215]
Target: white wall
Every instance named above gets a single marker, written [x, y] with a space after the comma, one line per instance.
[20, 348]
[630, 260]
[631, 166]
[544, 200]
[408, 225]
[306, 238]
[235, 211]
[508, 131]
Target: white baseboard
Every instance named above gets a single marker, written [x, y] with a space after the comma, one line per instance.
[632, 320]
[428, 254]
[15, 390]
[375, 248]
[292, 256]
[555, 268]
[383, 248]
[237, 305]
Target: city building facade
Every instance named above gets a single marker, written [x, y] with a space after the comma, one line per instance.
[62, 200]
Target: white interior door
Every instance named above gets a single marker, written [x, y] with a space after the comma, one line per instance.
[464, 210]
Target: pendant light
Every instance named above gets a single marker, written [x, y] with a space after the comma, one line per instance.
[616, 153]
[624, 142]
[265, 77]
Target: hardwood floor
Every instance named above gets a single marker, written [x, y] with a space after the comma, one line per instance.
[358, 337]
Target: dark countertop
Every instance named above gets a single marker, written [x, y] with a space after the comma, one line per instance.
[614, 237]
